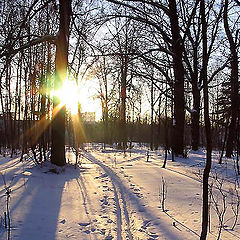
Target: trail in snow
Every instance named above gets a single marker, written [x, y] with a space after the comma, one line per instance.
[119, 193]
[184, 192]
[110, 196]
[135, 201]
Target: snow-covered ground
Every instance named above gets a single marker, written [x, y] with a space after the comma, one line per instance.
[112, 195]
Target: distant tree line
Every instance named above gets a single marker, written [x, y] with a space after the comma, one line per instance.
[137, 50]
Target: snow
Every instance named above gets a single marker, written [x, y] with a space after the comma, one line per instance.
[112, 195]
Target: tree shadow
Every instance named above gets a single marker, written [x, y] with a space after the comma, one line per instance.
[35, 212]
[124, 191]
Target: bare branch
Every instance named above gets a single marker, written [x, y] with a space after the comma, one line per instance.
[11, 52]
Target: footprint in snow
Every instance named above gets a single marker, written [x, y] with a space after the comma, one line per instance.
[101, 176]
[105, 201]
[146, 223]
[141, 209]
[102, 231]
[136, 189]
[109, 237]
[152, 238]
[83, 224]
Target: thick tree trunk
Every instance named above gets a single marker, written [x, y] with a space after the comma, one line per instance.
[58, 119]
[205, 205]
[179, 113]
[234, 86]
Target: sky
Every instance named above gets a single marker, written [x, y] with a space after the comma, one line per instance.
[88, 91]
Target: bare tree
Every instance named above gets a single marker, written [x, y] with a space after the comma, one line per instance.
[205, 205]
[58, 119]
[234, 84]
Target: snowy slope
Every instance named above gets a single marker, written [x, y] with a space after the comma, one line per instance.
[112, 195]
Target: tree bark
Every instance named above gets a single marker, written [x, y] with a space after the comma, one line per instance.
[123, 132]
[152, 111]
[58, 119]
[234, 86]
[196, 103]
[205, 205]
[179, 102]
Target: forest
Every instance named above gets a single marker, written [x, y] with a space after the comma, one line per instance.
[164, 80]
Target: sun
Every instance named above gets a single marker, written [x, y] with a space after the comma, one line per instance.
[74, 92]
[69, 95]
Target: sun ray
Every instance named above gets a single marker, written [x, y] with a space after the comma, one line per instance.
[78, 131]
[35, 132]
[69, 96]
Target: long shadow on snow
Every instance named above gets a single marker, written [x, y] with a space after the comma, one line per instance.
[40, 203]
[134, 200]
[12, 172]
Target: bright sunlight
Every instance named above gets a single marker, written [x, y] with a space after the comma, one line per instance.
[69, 95]
[84, 93]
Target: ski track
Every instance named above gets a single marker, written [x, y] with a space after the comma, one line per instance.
[134, 201]
[117, 182]
[119, 193]
[119, 214]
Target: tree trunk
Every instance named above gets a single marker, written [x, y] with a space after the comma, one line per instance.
[166, 133]
[106, 132]
[224, 142]
[43, 120]
[196, 103]
[123, 137]
[205, 205]
[179, 113]
[58, 118]
[234, 86]
[195, 130]
[152, 111]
